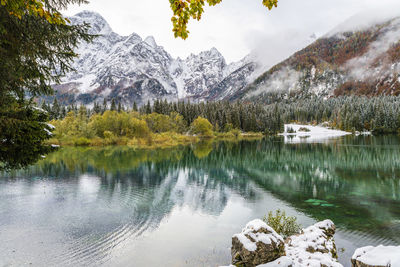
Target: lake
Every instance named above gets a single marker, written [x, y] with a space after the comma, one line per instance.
[179, 207]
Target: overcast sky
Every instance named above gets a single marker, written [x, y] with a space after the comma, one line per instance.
[234, 27]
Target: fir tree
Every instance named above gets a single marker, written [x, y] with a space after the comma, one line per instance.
[55, 110]
[113, 105]
[148, 108]
[104, 106]
[97, 108]
[36, 48]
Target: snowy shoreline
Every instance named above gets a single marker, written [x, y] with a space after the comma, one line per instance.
[301, 133]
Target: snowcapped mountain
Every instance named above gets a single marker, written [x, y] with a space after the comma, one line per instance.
[130, 69]
[347, 61]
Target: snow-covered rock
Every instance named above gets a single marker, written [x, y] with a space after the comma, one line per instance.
[257, 244]
[313, 247]
[281, 262]
[380, 256]
[130, 69]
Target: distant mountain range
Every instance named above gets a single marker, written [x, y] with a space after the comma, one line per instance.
[130, 69]
[365, 61]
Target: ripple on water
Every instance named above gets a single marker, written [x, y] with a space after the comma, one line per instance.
[86, 251]
[93, 249]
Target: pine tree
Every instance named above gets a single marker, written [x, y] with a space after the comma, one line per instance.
[97, 108]
[36, 49]
[134, 107]
[113, 105]
[63, 112]
[55, 110]
[148, 108]
[104, 105]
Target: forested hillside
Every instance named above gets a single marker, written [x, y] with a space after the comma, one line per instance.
[363, 62]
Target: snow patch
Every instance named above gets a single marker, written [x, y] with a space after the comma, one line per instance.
[315, 133]
[378, 256]
[51, 126]
[281, 262]
[48, 132]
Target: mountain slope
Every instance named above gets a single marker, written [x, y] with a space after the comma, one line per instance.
[130, 69]
[363, 62]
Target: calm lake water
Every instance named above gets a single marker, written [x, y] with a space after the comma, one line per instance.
[180, 207]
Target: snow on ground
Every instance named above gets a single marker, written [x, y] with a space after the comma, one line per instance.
[378, 256]
[315, 133]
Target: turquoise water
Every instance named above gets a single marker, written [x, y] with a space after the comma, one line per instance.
[180, 207]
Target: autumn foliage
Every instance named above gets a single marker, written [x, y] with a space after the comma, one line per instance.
[184, 10]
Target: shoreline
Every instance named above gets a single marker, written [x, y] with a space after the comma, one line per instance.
[155, 141]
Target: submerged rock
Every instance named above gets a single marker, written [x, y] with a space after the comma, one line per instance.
[257, 244]
[380, 256]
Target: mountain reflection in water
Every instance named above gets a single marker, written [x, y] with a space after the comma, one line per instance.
[118, 206]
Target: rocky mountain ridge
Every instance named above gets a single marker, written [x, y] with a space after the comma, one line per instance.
[131, 69]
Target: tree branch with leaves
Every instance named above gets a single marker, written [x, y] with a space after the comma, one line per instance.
[184, 10]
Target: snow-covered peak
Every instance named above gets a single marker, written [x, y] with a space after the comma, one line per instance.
[132, 39]
[150, 41]
[132, 69]
[212, 53]
[98, 24]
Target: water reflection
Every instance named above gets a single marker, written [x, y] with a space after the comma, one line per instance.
[85, 206]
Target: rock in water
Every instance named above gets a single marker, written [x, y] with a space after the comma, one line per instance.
[380, 256]
[315, 246]
[256, 244]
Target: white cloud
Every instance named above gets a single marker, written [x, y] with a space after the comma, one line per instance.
[234, 27]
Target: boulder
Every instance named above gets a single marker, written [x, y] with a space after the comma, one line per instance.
[380, 256]
[257, 244]
[314, 246]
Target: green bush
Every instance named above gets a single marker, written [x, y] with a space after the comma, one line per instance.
[235, 132]
[283, 225]
[110, 138]
[202, 127]
[81, 141]
[228, 127]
